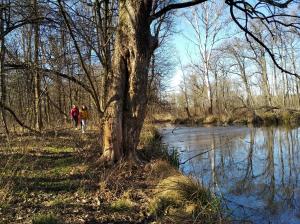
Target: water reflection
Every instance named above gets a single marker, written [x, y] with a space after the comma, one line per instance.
[256, 170]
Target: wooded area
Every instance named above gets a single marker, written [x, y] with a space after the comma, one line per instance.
[231, 72]
[116, 60]
[104, 54]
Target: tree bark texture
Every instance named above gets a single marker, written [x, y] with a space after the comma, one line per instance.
[127, 97]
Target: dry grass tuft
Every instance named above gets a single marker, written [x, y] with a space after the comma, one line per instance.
[184, 200]
[123, 204]
[161, 169]
[210, 119]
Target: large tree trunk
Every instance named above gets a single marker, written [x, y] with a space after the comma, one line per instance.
[127, 98]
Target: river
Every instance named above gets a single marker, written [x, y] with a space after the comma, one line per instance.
[255, 170]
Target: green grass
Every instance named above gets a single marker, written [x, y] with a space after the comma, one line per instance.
[122, 205]
[41, 173]
[60, 201]
[173, 157]
[58, 149]
[45, 219]
[55, 186]
[45, 175]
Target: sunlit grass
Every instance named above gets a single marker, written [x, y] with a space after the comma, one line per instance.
[45, 219]
[51, 179]
[59, 201]
[183, 199]
[122, 205]
[58, 149]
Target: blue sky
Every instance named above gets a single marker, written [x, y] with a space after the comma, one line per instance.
[183, 47]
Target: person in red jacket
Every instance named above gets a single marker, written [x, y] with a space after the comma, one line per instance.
[74, 113]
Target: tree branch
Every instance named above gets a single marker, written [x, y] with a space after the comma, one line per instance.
[17, 119]
[175, 6]
[277, 4]
[45, 70]
[244, 28]
[20, 24]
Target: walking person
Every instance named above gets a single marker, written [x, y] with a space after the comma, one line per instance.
[74, 113]
[84, 116]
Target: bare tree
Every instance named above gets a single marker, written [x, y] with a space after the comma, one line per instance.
[207, 25]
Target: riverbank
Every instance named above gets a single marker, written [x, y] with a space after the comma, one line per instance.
[263, 116]
[57, 178]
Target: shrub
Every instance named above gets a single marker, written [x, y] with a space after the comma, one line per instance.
[255, 119]
[243, 121]
[295, 118]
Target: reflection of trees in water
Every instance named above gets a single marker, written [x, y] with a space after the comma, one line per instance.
[220, 156]
[244, 185]
[212, 157]
[263, 172]
[262, 163]
[259, 166]
[269, 192]
[215, 158]
[289, 179]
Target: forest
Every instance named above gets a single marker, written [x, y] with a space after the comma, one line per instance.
[133, 111]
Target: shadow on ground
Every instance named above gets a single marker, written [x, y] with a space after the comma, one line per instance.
[58, 173]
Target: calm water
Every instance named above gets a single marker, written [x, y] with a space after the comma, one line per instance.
[255, 170]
